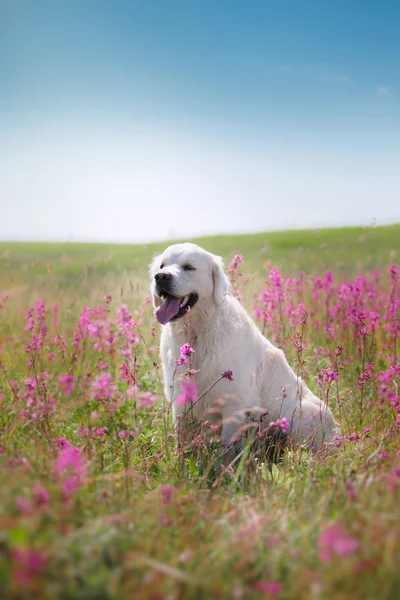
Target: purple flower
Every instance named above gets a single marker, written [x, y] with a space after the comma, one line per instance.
[227, 375]
[327, 376]
[186, 350]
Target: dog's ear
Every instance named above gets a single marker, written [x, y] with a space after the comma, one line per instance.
[221, 281]
[153, 268]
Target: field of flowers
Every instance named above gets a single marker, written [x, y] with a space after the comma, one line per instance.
[97, 501]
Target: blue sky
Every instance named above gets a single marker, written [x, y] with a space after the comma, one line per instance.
[138, 121]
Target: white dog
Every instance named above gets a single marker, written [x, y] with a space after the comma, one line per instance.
[190, 294]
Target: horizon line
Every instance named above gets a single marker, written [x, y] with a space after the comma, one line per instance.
[201, 236]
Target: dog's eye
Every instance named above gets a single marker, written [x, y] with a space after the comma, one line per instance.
[162, 265]
[188, 268]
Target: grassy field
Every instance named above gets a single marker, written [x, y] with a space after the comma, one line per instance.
[350, 250]
[98, 502]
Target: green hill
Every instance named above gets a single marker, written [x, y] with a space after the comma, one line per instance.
[349, 250]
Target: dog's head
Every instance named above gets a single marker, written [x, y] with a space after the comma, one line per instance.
[186, 277]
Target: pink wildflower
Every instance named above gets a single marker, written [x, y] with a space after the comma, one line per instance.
[101, 365]
[208, 425]
[167, 492]
[28, 564]
[269, 587]
[99, 432]
[147, 400]
[69, 459]
[394, 480]
[186, 350]
[335, 542]
[235, 262]
[70, 465]
[126, 326]
[71, 485]
[14, 385]
[83, 431]
[189, 392]
[131, 391]
[126, 374]
[366, 375]
[61, 443]
[66, 383]
[282, 424]
[41, 495]
[327, 376]
[103, 389]
[125, 433]
[23, 505]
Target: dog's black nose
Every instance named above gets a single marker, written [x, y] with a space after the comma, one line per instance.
[162, 278]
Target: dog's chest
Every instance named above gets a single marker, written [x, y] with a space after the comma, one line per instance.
[205, 359]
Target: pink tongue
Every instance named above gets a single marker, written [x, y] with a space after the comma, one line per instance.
[168, 309]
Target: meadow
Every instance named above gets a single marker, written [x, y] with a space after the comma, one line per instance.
[97, 500]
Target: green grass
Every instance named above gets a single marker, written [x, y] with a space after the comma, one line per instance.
[347, 249]
[147, 521]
